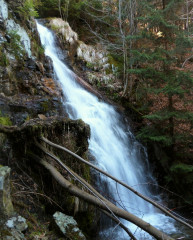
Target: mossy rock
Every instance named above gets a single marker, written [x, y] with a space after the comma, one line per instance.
[68, 226]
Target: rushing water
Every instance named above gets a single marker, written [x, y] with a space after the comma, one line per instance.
[112, 145]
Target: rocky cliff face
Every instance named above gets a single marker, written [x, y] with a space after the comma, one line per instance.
[93, 62]
[25, 74]
[30, 99]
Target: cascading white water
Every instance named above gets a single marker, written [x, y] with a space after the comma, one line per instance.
[111, 143]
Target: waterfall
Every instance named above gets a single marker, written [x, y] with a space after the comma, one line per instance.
[111, 143]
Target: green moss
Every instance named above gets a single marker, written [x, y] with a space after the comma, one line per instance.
[112, 61]
[55, 28]
[27, 118]
[37, 49]
[14, 45]
[45, 106]
[90, 65]
[86, 172]
[5, 120]
[27, 9]
[86, 220]
[108, 71]
[4, 61]
[70, 200]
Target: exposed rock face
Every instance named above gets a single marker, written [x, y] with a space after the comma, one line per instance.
[93, 55]
[28, 93]
[68, 226]
[63, 27]
[6, 207]
[96, 56]
[11, 25]
[93, 59]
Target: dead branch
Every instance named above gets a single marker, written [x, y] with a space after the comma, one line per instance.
[69, 170]
[187, 59]
[95, 201]
[118, 181]
[86, 85]
[79, 179]
[121, 225]
[91, 189]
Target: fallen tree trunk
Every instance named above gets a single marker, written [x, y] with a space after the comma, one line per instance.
[70, 171]
[95, 201]
[121, 225]
[35, 157]
[78, 178]
[118, 181]
[87, 86]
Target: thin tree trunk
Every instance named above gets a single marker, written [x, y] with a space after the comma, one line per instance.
[187, 18]
[90, 188]
[59, 7]
[124, 48]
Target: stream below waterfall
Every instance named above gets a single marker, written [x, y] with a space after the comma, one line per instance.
[113, 147]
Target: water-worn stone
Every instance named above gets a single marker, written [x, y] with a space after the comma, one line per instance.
[6, 207]
[68, 226]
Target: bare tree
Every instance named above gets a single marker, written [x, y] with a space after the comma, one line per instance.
[119, 17]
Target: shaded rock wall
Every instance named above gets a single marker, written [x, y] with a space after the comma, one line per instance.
[30, 98]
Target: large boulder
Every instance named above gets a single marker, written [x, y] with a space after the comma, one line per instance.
[68, 226]
[63, 27]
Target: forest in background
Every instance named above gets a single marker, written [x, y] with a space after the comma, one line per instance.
[150, 46]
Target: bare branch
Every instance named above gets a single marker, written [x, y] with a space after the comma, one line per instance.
[118, 181]
[95, 201]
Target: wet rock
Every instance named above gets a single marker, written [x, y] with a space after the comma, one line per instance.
[11, 25]
[48, 64]
[31, 64]
[6, 207]
[68, 226]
